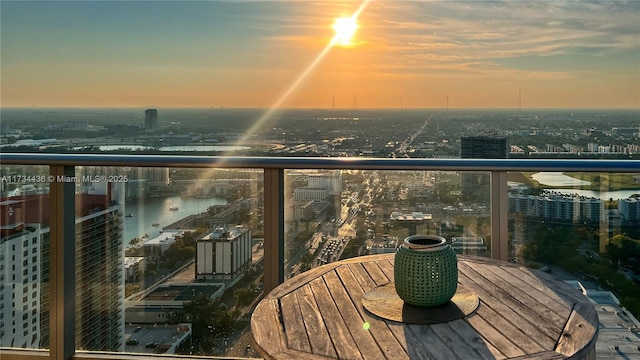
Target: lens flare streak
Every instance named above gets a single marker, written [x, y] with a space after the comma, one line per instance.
[296, 83]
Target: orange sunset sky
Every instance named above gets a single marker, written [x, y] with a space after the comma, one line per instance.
[414, 54]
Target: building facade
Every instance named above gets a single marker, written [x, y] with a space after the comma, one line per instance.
[223, 254]
[487, 146]
[151, 118]
[557, 207]
[630, 209]
[24, 272]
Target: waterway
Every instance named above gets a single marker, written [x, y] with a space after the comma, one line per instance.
[560, 179]
[172, 148]
[557, 179]
[156, 210]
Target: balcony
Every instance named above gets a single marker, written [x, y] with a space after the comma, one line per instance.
[274, 175]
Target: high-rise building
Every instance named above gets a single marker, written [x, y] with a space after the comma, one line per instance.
[486, 146]
[630, 209]
[24, 272]
[151, 118]
[22, 312]
[557, 207]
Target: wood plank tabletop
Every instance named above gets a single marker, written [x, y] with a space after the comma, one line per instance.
[523, 314]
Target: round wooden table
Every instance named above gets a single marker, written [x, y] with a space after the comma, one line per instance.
[522, 314]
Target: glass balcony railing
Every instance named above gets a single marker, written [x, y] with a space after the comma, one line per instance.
[168, 254]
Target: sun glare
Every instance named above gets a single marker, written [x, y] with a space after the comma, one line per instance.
[345, 27]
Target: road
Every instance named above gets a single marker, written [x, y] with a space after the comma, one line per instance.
[402, 149]
[243, 346]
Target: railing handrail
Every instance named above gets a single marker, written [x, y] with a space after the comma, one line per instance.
[62, 285]
[345, 163]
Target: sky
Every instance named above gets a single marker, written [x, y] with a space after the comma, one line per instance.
[404, 54]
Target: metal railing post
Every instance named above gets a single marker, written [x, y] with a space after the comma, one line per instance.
[499, 210]
[273, 228]
[63, 270]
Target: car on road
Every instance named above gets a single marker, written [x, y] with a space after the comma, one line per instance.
[132, 342]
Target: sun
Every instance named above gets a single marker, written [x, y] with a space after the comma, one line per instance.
[345, 27]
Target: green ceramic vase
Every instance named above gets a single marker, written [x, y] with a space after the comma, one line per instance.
[425, 271]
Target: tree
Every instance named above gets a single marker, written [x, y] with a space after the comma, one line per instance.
[151, 268]
[209, 320]
[622, 247]
[244, 296]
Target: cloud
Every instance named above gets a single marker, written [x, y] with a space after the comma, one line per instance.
[475, 34]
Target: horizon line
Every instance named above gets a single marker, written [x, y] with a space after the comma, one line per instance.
[350, 109]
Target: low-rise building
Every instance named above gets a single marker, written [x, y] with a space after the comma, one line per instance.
[223, 254]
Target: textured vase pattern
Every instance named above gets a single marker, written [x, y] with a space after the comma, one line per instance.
[425, 271]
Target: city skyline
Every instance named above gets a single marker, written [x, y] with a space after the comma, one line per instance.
[403, 54]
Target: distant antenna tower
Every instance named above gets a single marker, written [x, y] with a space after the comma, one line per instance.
[401, 103]
[333, 102]
[447, 102]
[519, 99]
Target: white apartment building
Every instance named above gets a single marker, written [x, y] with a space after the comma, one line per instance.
[557, 207]
[20, 286]
[24, 272]
[630, 209]
[223, 254]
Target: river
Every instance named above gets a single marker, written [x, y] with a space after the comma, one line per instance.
[155, 210]
[560, 179]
